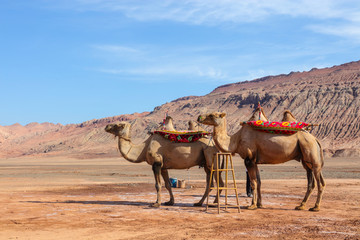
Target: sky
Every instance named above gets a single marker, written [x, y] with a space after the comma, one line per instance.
[69, 61]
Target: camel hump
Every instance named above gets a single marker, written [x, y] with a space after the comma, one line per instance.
[258, 114]
[288, 117]
[193, 126]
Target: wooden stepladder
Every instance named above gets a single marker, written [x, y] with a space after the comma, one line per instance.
[215, 167]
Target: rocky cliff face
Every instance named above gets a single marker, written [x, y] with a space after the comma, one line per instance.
[328, 96]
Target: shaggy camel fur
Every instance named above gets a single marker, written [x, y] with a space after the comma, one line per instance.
[257, 147]
[163, 154]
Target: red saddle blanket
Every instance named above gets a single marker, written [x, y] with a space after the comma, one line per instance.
[184, 137]
[277, 127]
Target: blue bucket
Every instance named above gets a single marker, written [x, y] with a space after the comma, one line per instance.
[173, 182]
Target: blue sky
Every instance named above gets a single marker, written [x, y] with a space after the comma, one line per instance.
[69, 61]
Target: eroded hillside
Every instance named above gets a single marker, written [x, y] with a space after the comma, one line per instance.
[328, 96]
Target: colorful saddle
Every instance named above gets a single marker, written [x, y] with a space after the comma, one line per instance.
[277, 127]
[183, 137]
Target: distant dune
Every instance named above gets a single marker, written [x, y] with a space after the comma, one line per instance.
[329, 96]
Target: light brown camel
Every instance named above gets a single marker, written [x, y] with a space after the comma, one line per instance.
[258, 114]
[257, 147]
[163, 154]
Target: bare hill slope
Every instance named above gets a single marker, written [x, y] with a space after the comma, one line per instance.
[328, 96]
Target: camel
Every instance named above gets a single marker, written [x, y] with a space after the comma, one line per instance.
[257, 147]
[258, 114]
[163, 154]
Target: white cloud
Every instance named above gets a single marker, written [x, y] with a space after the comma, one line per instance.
[170, 70]
[350, 31]
[212, 73]
[116, 49]
[331, 17]
[216, 12]
[161, 61]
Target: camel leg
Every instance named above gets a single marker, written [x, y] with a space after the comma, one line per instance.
[251, 167]
[312, 156]
[209, 158]
[156, 167]
[207, 189]
[221, 185]
[165, 175]
[318, 164]
[221, 182]
[310, 187]
[321, 185]
[259, 200]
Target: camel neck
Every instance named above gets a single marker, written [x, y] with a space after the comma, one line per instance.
[222, 139]
[130, 151]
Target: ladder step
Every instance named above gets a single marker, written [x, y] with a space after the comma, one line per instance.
[220, 170]
[224, 188]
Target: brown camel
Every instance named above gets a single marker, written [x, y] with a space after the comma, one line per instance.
[257, 147]
[163, 154]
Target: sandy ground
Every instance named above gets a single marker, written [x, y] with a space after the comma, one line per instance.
[60, 198]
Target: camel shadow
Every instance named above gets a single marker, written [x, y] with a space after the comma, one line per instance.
[214, 195]
[127, 203]
[185, 206]
[114, 203]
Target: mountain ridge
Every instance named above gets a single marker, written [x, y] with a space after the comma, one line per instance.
[329, 96]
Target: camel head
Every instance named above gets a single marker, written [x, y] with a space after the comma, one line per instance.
[212, 119]
[121, 129]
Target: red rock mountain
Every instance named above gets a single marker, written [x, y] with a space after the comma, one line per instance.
[329, 96]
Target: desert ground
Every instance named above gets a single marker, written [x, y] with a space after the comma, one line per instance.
[64, 198]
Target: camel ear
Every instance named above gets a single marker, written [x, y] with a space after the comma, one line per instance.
[222, 115]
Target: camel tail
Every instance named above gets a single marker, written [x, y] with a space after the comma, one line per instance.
[322, 180]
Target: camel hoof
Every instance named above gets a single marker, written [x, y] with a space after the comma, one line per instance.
[199, 204]
[155, 205]
[301, 207]
[252, 207]
[260, 206]
[169, 203]
[314, 209]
